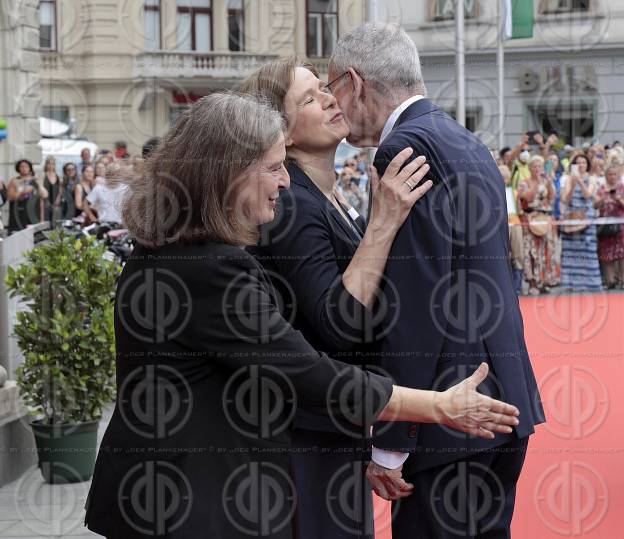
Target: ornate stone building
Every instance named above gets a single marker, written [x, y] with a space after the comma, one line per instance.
[123, 69]
[20, 89]
[567, 77]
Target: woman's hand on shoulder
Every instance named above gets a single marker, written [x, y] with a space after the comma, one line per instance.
[398, 190]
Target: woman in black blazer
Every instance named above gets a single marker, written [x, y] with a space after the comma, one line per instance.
[209, 374]
[321, 254]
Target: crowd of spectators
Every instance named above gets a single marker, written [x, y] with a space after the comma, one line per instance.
[558, 197]
[84, 192]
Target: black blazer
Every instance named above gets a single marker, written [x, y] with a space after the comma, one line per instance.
[209, 376]
[305, 251]
[449, 266]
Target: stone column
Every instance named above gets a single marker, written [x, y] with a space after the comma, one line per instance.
[20, 92]
[220, 37]
[19, 105]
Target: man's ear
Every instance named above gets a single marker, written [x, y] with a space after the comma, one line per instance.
[358, 85]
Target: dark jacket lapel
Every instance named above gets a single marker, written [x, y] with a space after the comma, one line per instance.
[301, 178]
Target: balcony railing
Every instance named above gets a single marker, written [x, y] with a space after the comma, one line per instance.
[230, 65]
[175, 64]
[52, 60]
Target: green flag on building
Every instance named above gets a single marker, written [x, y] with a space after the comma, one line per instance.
[519, 18]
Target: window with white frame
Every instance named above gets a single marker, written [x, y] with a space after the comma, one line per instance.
[59, 113]
[194, 25]
[236, 25]
[443, 10]
[47, 25]
[564, 6]
[473, 117]
[151, 20]
[322, 27]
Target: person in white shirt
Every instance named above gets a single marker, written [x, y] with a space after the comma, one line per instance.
[107, 197]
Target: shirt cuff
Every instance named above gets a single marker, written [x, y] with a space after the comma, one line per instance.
[388, 459]
[353, 213]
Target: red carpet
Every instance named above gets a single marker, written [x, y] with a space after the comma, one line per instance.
[573, 479]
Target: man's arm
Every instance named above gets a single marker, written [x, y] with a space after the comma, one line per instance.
[418, 266]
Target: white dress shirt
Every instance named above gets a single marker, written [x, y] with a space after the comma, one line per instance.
[383, 457]
[396, 114]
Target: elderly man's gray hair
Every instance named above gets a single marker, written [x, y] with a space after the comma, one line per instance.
[384, 56]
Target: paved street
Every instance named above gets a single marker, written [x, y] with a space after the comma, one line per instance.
[30, 508]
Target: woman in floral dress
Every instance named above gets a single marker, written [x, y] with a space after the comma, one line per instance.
[610, 202]
[536, 194]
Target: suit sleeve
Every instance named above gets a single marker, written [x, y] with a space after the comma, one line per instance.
[255, 333]
[419, 273]
[300, 248]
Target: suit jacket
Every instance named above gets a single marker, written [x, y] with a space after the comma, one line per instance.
[449, 266]
[305, 251]
[209, 376]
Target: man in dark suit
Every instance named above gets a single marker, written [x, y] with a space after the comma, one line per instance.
[450, 266]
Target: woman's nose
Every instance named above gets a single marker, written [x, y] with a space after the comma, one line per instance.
[330, 101]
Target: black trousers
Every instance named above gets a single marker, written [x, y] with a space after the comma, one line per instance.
[473, 497]
[334, 499]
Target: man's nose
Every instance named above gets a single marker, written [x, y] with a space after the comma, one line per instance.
[284, 181]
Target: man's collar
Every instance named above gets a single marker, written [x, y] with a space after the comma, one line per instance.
[395, 116]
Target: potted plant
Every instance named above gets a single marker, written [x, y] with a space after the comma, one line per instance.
[66, 334]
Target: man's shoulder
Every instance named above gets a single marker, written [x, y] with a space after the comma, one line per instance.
[419, 132]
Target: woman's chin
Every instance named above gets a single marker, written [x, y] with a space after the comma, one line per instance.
[344, 131]
[266, 217]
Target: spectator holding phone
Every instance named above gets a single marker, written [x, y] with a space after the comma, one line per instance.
[598, 170]
[536, 195]
[518, 160]
[580, 269]
[554, 170]
[26, 197]
[610, 202]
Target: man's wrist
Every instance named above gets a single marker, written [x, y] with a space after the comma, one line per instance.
[388, 459]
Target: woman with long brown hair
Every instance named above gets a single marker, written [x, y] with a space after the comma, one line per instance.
[59, 205]
[81, 191]
[328, 263]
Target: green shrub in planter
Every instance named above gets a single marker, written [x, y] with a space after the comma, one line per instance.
[66, 334]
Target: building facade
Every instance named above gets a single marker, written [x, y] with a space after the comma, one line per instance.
[124, 69]
[20, 88]
[568, 78]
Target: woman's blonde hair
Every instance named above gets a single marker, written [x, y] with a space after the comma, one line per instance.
[536, 159]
